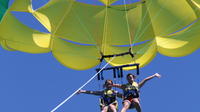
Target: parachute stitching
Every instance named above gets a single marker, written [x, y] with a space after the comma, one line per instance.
[18, 42]
[81, 87]
[86, 29]
[187, 26]
[194, 9]
[143, 48]
[171, 27]
[135, 39]
[158, 13]
[166, 41]
[137, 32]
[127, 22]
[105, 31]
[194, 23]
[60, 22]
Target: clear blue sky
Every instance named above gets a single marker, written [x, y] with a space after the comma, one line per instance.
[38, 83]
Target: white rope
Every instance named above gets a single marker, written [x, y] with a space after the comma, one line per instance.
[80, 88]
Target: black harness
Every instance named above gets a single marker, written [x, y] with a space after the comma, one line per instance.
[131, 91]
[108, 99]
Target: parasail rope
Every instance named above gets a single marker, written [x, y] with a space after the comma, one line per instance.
[128, 28]
[81, 87]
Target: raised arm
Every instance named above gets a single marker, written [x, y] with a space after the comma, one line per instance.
[98, 93]
[148, 78]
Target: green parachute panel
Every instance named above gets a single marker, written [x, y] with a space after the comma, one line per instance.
[3, 7]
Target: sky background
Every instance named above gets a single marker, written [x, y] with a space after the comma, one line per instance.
[38, 83]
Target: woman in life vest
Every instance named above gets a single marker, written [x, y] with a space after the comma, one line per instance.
[108, 102]
[131, 92]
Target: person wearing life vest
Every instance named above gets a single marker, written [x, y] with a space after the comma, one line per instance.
[131, 92]
[108, 102]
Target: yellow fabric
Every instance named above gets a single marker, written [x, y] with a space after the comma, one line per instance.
[79, 31]
[196, 2]
[125, 7]
[96, 25]
[109, 94]
[108, 2]
[132, 86]
[135, 84]
[144, 31]
[195, 5]
[21, 37]
[5, 46]
[144, 54]
[88, 24]
[169, 16]
[75, 56]
[182, 44]
[117, 30]
[22, 5]
[53, 13]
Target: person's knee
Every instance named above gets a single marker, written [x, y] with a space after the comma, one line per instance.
[104, 109]
[113, 107]
[126, 105]
[136, 102]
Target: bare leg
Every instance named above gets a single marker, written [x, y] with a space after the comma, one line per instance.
[104, 109]
[126, 105]
[137, 104]
[113, 107]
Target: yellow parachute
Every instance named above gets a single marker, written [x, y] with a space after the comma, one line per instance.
[80, 32]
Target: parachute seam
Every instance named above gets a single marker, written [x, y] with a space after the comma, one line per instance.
[61, 20]
[171, 27]
[166, 41]
[128, 25]
[105, 30]
[157, 14]
[86, 30]
[140, 26]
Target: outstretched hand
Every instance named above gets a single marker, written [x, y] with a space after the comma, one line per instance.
[157, 75]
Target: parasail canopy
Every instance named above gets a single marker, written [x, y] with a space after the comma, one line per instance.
[79, 32]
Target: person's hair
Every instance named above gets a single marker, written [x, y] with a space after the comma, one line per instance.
[106, 81]
[130, 74]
